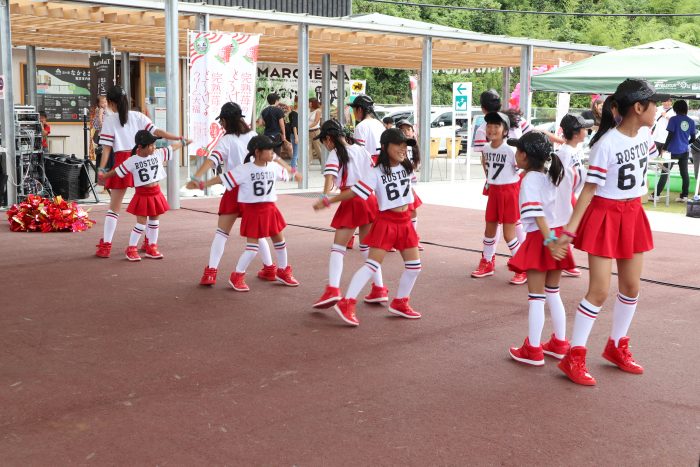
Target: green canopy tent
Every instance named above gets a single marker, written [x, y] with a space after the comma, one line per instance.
[671, 66]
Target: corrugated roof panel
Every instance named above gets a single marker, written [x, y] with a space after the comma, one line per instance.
[328, 8]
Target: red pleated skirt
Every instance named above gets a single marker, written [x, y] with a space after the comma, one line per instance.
[117, 183]
[417, 202]
[392, 229]
[148, 201]
[229, 203]
[532, 254]
[614, 229]
[261, 220]
[503, 204]
[355, 212]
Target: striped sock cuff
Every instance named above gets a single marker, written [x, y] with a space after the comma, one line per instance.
[251, 247]
[513, 244]
[335, 248]
[139, 228]
[489, 241]
[549, 289]
[413, 265]
[372, 265]
[587, 309]
[364, 247]
[153, 225]
[535, 296]
[280, 246]
[222, 233]
[113, 214]
[627, 300]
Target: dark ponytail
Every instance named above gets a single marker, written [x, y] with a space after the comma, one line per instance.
[236, 126]
[341, 151]
[556, 169]
[607, 120]
[415, 155]
[117, 95]
[250, 156]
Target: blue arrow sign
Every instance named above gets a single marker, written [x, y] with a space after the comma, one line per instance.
[461, 88]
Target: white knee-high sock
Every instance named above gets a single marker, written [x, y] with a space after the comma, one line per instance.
[408, 278]
[335, 264]
[514, 246]
[520, 231]
[136, 234]
[557, 311]
[489, 247]
[111, 220]
[281, 251]
[377, 276]
[414, 221]
[217, 248]
[583, 323]
[497, 238]
[264, 250]
[361, 277]
[251, 249]
[152, 231]
[622, 316]
[535, 318]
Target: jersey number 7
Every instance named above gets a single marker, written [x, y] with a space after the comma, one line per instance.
[392, 191]
[143, 173]
[259, 187]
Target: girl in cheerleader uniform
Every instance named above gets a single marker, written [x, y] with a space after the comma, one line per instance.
[414, 156]
[391, 181]
[347, 163]
[145, 167]
[545, 206]
[502, 206]
[229, 153]
[256, 179]
[608, 222]
[118, 131]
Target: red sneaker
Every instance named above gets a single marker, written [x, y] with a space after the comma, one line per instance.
[237, 281]
[285, 276]
[573, 272]
[574, 366]
[132, 253]
[152, 251]
[519, 278]
[209, 276]
[377, 295]
[621, 356]
[268, 273]
[400, 307]
[486, 268]
[528, 354]
[351, 243]
[556, 348]
[144, 245]
[330, 297]
[346, 310]
[103, 249]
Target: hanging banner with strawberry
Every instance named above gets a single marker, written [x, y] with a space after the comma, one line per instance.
[223, 68]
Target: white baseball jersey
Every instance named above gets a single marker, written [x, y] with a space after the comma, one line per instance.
[573, 168]
[230, 150]
[359, 163]
[146, 170]
[539, 197]
[618, 164]
[257, 184]
[121, 138]
[480, 139]
[392, 191]
[501, 168]
[368, 132]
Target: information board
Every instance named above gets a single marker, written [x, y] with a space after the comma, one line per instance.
[62, 91]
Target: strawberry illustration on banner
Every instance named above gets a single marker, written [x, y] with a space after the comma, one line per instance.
[223, 68]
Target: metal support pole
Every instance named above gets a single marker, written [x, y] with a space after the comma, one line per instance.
[106, 45]
[8, 118]
[341, 94]
[325, 99]
[525, 74]
[426, 91]
[303, 92]
[126, 75]
[505, 95]
[203, 25]
[31, 76]
[172, 99]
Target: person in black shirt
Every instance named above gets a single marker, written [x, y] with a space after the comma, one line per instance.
[293, 134]
[272, 118]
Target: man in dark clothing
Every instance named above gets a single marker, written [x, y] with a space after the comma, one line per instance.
[272, 118]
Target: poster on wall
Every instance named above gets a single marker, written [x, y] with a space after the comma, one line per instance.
[101, 75]
[222, 69]
[284, 80]
[63, 92]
